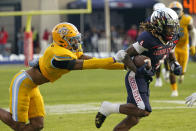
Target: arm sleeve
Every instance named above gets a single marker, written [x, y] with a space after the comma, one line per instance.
[115, 66]
[100, 63]
[64, 64]
[64, 61]
[142, 43]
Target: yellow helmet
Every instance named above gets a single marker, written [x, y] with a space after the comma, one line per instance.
[177, 7]
[66, 35]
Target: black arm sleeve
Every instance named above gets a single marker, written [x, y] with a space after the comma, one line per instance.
[65, 64]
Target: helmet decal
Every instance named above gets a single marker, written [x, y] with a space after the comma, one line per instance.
[63, 31]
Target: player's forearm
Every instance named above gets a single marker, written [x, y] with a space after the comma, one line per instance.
[129, 63]
[115, 66]
[101, 63]
[135, 49]
[129, 50]
[172, 57]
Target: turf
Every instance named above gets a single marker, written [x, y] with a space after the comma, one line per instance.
[95, 86]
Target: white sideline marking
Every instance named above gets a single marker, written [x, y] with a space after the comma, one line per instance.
[170, 101]
[93, 107]
[193, 75]
[71, 108]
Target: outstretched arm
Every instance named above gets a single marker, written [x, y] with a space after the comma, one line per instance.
[78, 64]
[114, 66]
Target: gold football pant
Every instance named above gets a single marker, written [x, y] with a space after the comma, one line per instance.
[25, 99]
[182, 56]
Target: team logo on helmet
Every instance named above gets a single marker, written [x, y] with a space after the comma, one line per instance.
[63, 31]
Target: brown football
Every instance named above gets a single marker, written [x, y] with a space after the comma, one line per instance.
[140, 60]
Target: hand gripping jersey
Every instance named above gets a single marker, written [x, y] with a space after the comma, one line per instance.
[59, 53]
[153, 48]
[184, 40]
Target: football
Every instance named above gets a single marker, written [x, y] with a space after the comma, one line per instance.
[140, 60]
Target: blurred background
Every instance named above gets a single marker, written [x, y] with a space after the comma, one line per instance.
[105, 30]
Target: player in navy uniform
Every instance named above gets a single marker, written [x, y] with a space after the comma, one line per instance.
[157, 43]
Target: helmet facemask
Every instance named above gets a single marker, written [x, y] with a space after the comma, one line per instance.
[73, 42]
[169, 32]
[171, 28]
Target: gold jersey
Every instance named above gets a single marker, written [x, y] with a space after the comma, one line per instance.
[184, 40]
[59, 53]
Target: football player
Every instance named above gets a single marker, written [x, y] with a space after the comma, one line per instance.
[62, 56]
[158, 82]
[182, 46]
[156, 42]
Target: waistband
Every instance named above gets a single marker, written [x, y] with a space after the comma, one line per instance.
[29, 77]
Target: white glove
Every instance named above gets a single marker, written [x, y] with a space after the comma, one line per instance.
[190, 100]
[120, 55]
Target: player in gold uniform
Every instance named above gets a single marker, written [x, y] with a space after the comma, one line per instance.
[62, 56]
[182, 46]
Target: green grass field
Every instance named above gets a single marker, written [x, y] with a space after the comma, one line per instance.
[80, 93]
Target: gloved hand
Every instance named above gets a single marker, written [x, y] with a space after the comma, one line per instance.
[192, 49]
[148, 79]
[120, 55]
[176, 68]
[190, 100]
[143, 71]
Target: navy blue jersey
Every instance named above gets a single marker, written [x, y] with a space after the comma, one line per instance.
[153, 48]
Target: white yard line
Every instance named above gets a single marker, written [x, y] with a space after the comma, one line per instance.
[170, 101]
[93, 107]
